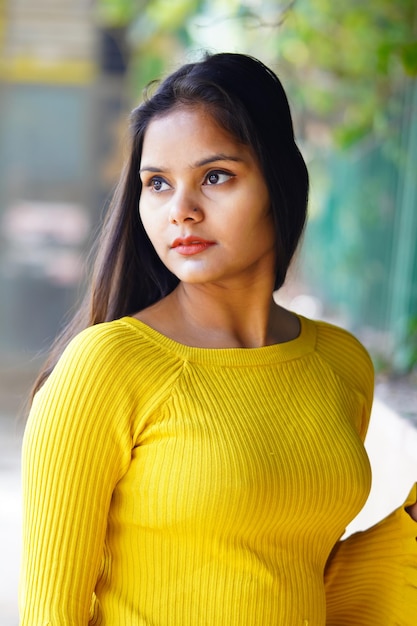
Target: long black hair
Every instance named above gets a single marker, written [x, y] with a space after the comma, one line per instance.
[247, 99]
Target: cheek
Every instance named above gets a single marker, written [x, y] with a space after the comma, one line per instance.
[145, 217]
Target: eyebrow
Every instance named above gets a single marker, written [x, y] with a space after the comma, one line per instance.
[206, 161]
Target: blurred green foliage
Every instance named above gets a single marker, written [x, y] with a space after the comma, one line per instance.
[356, 56]
[344, 62]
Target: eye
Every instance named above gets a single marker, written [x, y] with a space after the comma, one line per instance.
[217, 177]
[157, 184]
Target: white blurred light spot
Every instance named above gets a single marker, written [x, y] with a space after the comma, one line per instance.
[306, 305]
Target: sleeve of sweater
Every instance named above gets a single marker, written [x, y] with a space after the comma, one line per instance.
[371, 577]
[77, 445]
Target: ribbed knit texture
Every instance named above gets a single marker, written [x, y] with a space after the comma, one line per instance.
[166, 485]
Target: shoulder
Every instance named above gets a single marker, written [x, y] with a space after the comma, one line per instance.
[334, 339]
[346, 356]
[104, 373]
[88, 398]
[111, 356]
[95, 354]
[95, 359]
[114, 343]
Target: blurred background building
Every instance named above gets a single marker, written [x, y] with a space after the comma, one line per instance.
[57, 111]
[46, 169]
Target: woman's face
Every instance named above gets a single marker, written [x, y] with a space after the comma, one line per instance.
[204, 202]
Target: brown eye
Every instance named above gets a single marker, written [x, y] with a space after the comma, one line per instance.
[158, 184]
[213, 178]
[217, 177]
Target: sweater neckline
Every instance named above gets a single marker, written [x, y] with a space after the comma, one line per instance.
[280, 352]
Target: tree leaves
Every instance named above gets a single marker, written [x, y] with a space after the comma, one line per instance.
[409, 58]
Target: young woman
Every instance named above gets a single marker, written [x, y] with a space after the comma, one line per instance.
[193, 455]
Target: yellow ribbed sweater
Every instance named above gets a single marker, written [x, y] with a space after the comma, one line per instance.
[166, 485]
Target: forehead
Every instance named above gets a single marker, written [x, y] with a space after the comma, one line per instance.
[187, 131]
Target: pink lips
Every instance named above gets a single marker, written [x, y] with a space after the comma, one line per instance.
[188, 246]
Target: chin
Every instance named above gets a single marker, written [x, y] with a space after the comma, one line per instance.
[194, 276]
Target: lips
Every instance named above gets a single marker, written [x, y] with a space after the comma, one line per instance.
[191, 245]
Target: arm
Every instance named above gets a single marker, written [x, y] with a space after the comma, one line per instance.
[371, 577]
[76, 447]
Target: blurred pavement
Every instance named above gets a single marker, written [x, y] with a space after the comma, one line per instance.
[391, 445]
[10, 507]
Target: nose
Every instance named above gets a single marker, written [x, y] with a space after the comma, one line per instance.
[184, 208]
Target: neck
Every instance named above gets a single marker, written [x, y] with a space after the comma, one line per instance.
[221, 317]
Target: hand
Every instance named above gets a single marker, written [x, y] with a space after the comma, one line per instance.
[412, 511]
